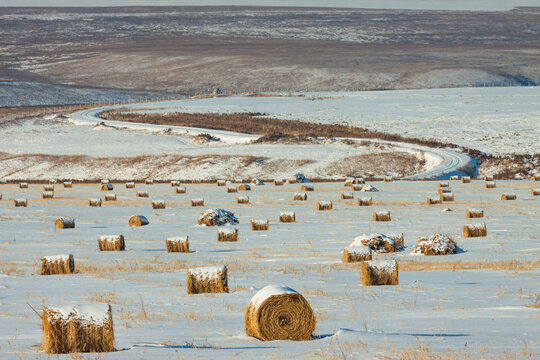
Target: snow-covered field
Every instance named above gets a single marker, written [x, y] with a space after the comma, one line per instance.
[480, 312]
[493, 120]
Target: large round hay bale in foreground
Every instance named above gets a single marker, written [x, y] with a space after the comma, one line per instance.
[111, 243]
[64, 223]
[379, 272]
[58, 264]
[279, 313]
[138, 220]
[212, 279]
[78, 329]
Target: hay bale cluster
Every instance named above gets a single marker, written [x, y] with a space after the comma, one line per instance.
[212, 279]
[438, 244]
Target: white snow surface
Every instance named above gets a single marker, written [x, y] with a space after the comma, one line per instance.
[267, 292]
[178, 239]
[54, 258]
[95, 313]
[207, 272]
[383, 265]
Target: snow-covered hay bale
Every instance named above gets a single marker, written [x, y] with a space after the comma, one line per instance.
[324, 205]
[300, 196]
[175, 183]
[259, 225]
[279, 313]
[388, 179]
[138, 220]
[379, 242]
[212, 279]
[111, 243]
[488, 177]
[438, 244]
[52, 181]
[381, 215]
[158, 204]
[232, 189]
[48, 187]
[307, 187]
[149, 181]
[23, 185]
[365, 201]
[94, 202]
[197, 202]
[20, 202]
[433, 200]
[68, 184]
[535, 192]
[47, 194]
[64, 223]
[130, 185]
[177, 244]
[221, 182]
[142, 194]
[357, 187]
[104, 181]
[287, 217]
[256, 182]
[379, 272]
[242, 199]
[444, 190]
[227, 233]
[454, 177]
[447, 196]
[507, 196]
[278, 182]
[475, 230]
[490, 185]
[81, 329]
[244, 187]
[474, 213]
[443, 184]
[347, 196]
[465, 179]
[217, 217]
[356, 254]
[110, 197]
[369, 188]
[58, 264]
[106, 187]
[398, 238]
[349, 182]
[180, 190]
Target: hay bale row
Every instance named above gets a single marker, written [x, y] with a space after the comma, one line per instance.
[474, 213]
[475, 230]
[433, 200]
[197, 202]
[158, 204]
[177, 244]
[111, 243]
[244, 187]
[232, 189]
[110, 197]
[130, 185]
[356, 254]
[211, 279]
[64, 223]
[379, 272]
[47, 194]
[107, 187]
[365, 201]
[508, 196]
[138, 220]
[300, 196]
[94, 202]
[217, 217]
[437, 244]
[347, 196]
[58, 264]
[227, 233]
[383, 215]
[465, 179]
[83, 329]
[279, 313]
[307, 187]
[180, 190]
[20, 202]
[259, 225]
[142, 194]
[287, 217]
[242, 199]
[490, 184]
[68, 184]
[324, 205]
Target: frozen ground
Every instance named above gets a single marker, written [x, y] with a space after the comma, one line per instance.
[493, 120]
[480, 312]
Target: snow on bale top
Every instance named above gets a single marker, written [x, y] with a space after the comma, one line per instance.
[217, 217]
[369, 188]
[269, 291]
[54, 258]
[358, 249]
[227, 230]
[259, 221]
[378, 242]
[208, 272]
[286, 213]
[387, 266]
[438, 244]
[325, 203]
[91, 313]
[178, 239]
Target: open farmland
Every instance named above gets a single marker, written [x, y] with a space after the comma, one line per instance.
[477, 303]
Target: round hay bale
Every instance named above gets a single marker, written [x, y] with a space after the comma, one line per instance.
[177, 244]
[52, 181]
[94, 202]
[379, 272]
[287, 217]
[180, 190]
[227, 233]
[447, 196]
[443, 184]
[64, 223]
[324, 205]
[244, 187]
[490, 184]
[48, 187]
[381, 216]
[110, 197]
[221, 182]
[357, 187]
[130, 185]
[47, 195]
[158, 204]
[20, 202]
[488, 177]
[111, 243]
[259, 225]
[217, 217]
[454, 177]
[212, 279]
[106, 187]
[279, 313]
[437, 244]
[300, 196]
[59, 264]
[346, 195]
[474, 213]
[365, 201]
[465, 179]
[242, 200]
[138, 220]
[507, 196]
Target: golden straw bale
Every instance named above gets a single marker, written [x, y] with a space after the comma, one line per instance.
[197, 202]
[379, 272]
[444, 191]
[83, 329]
[259, 225]
[279, 313]
[242, 200]
[388, 179]
[23, 185]
[227, 233]
[307, 187]
[301, 196]
[20, 202]
[180, 190]
[212, 279]
[447, 196]
[381, 216]
[244, 187]
[158, 204]
[232, 189]
[465, 179]
[110, 197]
[138, 220]
[443, 184]
[490, 185]
[177, 244]
[474, 213]
[488, 177]
[59, 264]
[356, 187]
[346, 196]
[365, 201]
[324, 205]
[454, 177]
[130, 185]
[149, 181]
[535, 192]
[64, 223]
[142, 194]
[68, 184]
[278, 182]
[475, 230]
[221, 183]
[47, 194]
[106, 187]
[356, 254]
[94, 202]
[349, 182]
[52, 181]
[48, 187]
[508, 196]
[432, 200]
[111, 243]
[175, 183]
[287, 217]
